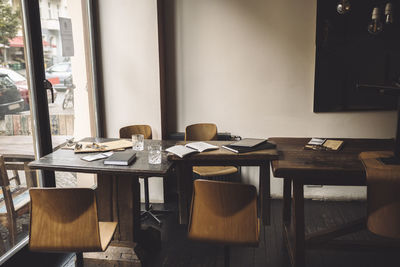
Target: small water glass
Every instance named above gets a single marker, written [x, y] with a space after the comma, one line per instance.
[138, 142]
[154, 154]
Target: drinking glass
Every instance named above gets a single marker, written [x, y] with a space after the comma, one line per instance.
[154, 154]
[138, 142]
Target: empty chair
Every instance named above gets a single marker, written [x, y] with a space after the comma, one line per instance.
[65, 220]
[224, 213]
[383, 198]
[127, 132]
[14, 202]
[207, 132]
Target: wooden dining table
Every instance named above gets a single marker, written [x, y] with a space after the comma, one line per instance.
[299, 167]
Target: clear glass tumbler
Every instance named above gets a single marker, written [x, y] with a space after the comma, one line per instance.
[138, 142]
[154, 154]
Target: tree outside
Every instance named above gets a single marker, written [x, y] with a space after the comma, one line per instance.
[9, 25]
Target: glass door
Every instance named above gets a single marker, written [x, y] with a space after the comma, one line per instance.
[16, 135]
[63, 24]
[40, 39]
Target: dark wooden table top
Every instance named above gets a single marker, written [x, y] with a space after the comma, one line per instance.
[325, 167]
[67, 160]
[22, 145]
[215, 157]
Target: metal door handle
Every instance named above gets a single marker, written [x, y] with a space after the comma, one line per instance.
[48, 86]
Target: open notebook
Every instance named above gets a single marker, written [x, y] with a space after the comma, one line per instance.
[183, 150]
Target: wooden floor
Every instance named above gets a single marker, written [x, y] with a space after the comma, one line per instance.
[177, 251]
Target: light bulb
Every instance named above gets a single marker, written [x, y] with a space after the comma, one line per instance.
[343, 7]
[388, 13]
[375, 26]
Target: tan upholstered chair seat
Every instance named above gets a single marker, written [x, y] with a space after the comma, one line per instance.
[208, 171]
[224, 212]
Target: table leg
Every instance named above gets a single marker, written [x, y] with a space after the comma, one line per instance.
[287, 199]
[185, 189]
[265, 194]
[118, 199]
[104, 193]
[128, 207]
[298, 224]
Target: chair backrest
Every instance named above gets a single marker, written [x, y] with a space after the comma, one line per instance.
[128, 131]
[64, 219]
[4, 181]
[201, 132]
[224, 212]
[7, 195]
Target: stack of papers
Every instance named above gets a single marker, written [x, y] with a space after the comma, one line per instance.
[323, 144]
[97, 156]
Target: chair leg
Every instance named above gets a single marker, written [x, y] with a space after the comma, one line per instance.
[148, 208]
[146, 194]
[79, 259]
[226, 256]
[148, 212]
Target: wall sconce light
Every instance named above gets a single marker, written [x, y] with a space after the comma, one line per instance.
[375, 26]
[343, 7]
[388, 13]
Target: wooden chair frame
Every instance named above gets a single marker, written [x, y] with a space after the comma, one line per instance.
[14, 164]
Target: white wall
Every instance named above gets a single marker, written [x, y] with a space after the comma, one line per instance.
[248, 66]
[129, 40]
[80, 75]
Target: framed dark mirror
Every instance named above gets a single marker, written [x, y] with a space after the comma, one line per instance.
[347, 54]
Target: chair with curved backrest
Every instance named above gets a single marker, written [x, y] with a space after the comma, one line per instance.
[207, 132]
[383, 198]
[218, 217]
[65, 220]
[127, 132]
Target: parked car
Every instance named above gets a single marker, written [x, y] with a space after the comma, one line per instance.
[60, 75]
[10, 97]
[20, 82]
[22, 85]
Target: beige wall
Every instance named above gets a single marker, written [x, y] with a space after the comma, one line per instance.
[129, 40]
[246, 65]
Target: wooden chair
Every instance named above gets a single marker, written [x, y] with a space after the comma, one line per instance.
[218, 217]
[383, 198]
[127, 132]
[207, 132]
[13, 203]
[65, 220]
